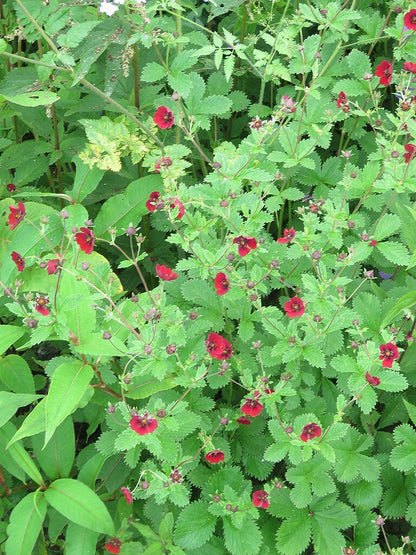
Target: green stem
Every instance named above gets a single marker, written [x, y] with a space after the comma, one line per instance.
[136, 76]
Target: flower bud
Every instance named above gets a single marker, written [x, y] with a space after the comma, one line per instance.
[395, 154]
[161, 413]
[130, 230]
[316, 255]
[32, 323]
[107, 335]
[145, 485]
[216, 498]
[224, 203]
[170, 349]
[111, 409]
[148, 349]
[223, 421]
[193, 316]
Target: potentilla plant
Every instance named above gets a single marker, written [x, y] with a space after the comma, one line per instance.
[207, 262]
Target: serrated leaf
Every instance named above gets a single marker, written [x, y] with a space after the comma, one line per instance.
[153, 72]
[79, 504]
[242, 541]
[396, 253]
[194, 526]
[294, 534]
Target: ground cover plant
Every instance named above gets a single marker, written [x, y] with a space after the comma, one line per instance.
[208, 277]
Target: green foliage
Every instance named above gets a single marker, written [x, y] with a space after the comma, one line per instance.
[203, 139]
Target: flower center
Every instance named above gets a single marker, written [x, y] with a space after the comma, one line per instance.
[295, 307]
[143, 421]
[42, 301]
[388, 353]
[211, 345]
[387, 73]
[413, 19]
[242, 242]
[88, 238]
[224, 283]
[263, 496]
[166, 117]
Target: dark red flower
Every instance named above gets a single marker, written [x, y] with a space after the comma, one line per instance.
[16, 215]
[18, 260]
[175, 477]
[373, 243]
[310, 431]
[252, 407]
[163, 117]
[388, 353]
[222, 283]
[153, 199]
[143, 425]
[164, 162]
[218, 347]
[294, 307]
[260, 499]
[165, 273]
[410, 20]
[41, 303]
[113, 545]
[268, 391]
[176, 202]
[245, 244]
[244, 420]
[342, 99]
[214, 457]
[373, 380]
[256, 123]
[53, 266]
[410, 152]
[11, 187]
[85, 239]
[409, 66]
[127, 494]
[288, 235]
[385, 71]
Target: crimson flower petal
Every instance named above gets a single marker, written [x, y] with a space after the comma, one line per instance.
[163, 117]
[167, 274]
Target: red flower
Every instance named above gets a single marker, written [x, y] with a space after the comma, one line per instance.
[214, 457]
[388, 353]
[113, 545]
[410, 152]
[409, 66]
[373, 243]
[18, 260]
[176, 202]
[244, 420]
[373, 380]
[152, 202]
[41, 303]
[288, 235]
[167, 274]
[163, 117]
[52, 266]
[268, 391]
[85, 239]
[16, 215]
[164, 162]
[245, 244]
[410, 20]
[218, 347]
[143, 425]
[252, 407]
[11, 187]
[385, 72]
[222, 283]
[310, 431]
[294, 307]
[127, 494]
[342, 99]
[260, 499]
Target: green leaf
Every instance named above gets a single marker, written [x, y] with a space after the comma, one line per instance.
[392, 381]
[18, 453]
[294, 534]
[79, 504]
[388, 225]
[166, 527]
[10, 402]
[79, 540]
[396, 253]
[57, 458]
[195, 525]
[146, 386]
[16, 375]
[86, 180]
[9, 334]
[121, 210]
[403, 457]
[36, 98]
[242, 541]
[68, 385]
[406, 302]
[96, 345]
[411, 411]
[26, 522]
[215, 105]
[359, 63]
[153, 72]
[34, 423]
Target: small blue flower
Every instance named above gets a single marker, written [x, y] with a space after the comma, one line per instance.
[383, 275]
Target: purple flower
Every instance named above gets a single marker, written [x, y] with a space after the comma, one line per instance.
[383, 275]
